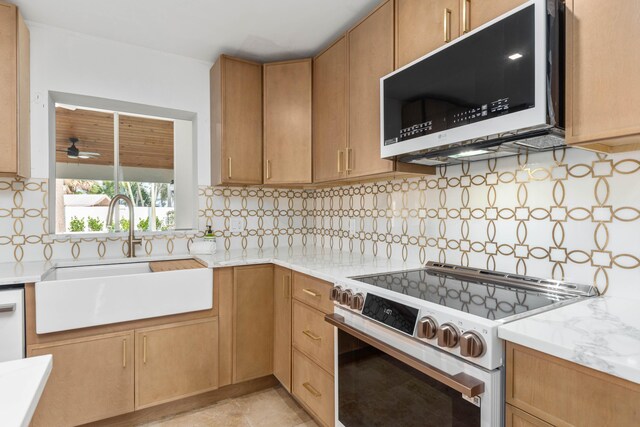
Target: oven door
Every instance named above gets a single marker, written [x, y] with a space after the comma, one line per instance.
[386, 379]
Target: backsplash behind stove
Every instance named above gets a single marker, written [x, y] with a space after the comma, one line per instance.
[571, 214]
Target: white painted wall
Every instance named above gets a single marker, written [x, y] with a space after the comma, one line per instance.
[68, 62]
[186, 203]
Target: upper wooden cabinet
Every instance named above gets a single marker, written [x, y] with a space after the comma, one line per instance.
[330, 112]
[475, 13]
[14, 93]
[287, 122]
[236, 122]
[423, 26]
[371, 56]
[603, 62]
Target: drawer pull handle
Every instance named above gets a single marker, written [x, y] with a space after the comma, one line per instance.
[312, 335]
[312, 390]
[7, 308]
[312, 293]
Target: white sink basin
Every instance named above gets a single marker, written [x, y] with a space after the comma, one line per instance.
[79, 297]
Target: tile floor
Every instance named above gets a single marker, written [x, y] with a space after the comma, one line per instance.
[268, 408]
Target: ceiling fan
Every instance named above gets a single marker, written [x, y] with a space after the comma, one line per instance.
[74, 153]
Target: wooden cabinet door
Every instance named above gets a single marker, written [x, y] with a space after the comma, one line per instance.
[330, 112]
[92, 378]
[287, 122]
[236, 121]
[603, 62]
[253, 322]
[282, 325]
[371, 56]
[175, 361]
[423, 26]
[14, 93]
[475, 13]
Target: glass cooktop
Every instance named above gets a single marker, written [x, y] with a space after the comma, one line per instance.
[475, 296]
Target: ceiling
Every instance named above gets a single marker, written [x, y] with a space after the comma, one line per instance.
[262, 30]
[144, 142]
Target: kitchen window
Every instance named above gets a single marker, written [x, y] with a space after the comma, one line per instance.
[102, 152]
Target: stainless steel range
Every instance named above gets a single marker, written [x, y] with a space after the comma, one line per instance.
[421, 347]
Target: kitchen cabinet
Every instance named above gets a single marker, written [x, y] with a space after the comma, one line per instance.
[312, 335]
[312, 381]
[287, 122]
[175, 361]
[553, 391]
[236, 122]
[282, 326]
[15, 94]
[92, 378]
[252, 322]
[314, 388]
[371, 56]
[514, 417]
[602, 91]
[422, 27]
[330, 112]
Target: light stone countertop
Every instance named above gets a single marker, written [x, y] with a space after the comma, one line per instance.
[22, 382]
[602, 333]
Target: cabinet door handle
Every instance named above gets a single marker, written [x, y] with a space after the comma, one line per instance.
[268, 169]
[229, 168]
[311, 292]
[466, 18]
[340, 153]
[7, 308]
[348, 167]
[124, 353]
[144, 349]
[312, 389]
[286, 286]
[447, 25]
[312, 335]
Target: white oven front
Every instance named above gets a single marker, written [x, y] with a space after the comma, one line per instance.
[384, 378]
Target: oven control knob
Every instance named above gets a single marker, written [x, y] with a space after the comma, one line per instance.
[427, 327]
[448, 335]
[357, 301]
[345, 297]
[471, 345]
[334, 295]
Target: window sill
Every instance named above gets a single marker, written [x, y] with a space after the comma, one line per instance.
[120, 235]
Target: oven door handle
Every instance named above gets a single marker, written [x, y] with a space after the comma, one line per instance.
[461, 382]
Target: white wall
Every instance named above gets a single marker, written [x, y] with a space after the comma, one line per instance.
[68, 62]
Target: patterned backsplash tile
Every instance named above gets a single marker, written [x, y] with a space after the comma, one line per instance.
[571, 214]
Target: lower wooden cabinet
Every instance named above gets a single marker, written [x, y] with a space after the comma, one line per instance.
[282, 326]
[545, 390]
[92, 379]
[312, 335]
[252, 322]
[175, 361]
[514, 417]
[313, 387]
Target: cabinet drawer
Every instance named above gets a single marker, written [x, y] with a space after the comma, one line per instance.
[312, 335]
[517, 418]
[312, 291]
[563, 393]
[313, 387]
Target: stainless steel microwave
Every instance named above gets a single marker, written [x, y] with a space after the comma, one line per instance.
[493, 92]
